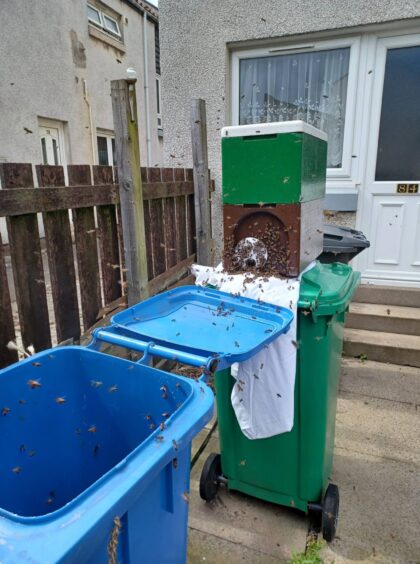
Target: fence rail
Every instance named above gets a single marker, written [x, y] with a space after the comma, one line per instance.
[64, 281]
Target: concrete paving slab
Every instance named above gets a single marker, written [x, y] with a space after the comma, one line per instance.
[377, 468]
[378, 427]
[266, 529]
[380, 380]
[204, 548]
[379, 517]
[376, 465]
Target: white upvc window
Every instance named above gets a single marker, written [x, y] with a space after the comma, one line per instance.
[51, 135]
[314, 82]
[158, 103]
[103, 21]
[105, 143]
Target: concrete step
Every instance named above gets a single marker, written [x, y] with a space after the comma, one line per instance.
[383, 347]
[381, 380]
[378, 317]
[390, 295]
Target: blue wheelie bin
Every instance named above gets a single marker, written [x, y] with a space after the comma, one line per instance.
[96, 449]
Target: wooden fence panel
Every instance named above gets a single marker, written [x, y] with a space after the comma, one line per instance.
[18, 202]
[60, 259]
[95, 264]
[180, 227]
[158, 237]
[7, 329]
[191, 237]
[86, 250]
[170, 231]
[147, 223]
[155, 242]
[108, 240]
[28, 272]
[191, 229]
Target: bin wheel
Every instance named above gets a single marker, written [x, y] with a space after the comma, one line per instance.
[209, 480]
[330, 509]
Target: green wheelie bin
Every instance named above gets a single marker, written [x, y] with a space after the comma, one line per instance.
[293, 468]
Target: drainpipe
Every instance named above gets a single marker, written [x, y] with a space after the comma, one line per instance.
[92, 132]
[146, 92]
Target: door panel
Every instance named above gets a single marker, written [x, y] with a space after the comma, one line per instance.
[391, 206]
[388, 217]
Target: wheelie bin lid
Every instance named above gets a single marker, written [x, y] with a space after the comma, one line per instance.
[339, 239]
[201, 325]
[327, 289]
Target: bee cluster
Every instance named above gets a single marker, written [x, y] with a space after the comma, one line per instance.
[264, 240]
[269, 257]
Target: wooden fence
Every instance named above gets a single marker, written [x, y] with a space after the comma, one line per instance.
[83, 246]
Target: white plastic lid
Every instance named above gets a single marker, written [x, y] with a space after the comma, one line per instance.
[297, 126]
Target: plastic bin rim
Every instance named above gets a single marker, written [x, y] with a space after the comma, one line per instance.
[226, 357]
[198, 390]
[322, 306]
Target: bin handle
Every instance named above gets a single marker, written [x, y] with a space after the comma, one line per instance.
[152, 349]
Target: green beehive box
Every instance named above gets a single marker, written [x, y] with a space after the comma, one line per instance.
[273, 163]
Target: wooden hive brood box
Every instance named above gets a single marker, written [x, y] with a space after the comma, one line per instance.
[273, 239]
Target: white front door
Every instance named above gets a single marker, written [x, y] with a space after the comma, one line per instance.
[389, 205]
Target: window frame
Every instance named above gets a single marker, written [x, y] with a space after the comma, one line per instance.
[106, 17]
[48, 123]
[102, 26]
[158, 102]
[346, 172]
[109, 136]
[157, 49]
[90, 20]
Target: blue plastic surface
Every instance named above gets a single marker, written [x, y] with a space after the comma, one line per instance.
[205, 322]
[81, 443]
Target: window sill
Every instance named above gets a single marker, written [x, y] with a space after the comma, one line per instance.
[349, 185]
[105, 38]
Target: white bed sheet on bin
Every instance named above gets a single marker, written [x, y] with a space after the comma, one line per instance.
[263, 396]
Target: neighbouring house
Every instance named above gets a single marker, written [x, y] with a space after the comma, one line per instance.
[57, 62]
[349, 67]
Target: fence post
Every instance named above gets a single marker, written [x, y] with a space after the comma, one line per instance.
[124, 109]
[201, 182]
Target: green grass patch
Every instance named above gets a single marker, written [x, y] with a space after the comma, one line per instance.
[311, 554]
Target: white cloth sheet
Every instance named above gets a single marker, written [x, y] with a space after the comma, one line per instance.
[263, 396]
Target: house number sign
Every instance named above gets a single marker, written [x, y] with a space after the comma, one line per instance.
[407, 188]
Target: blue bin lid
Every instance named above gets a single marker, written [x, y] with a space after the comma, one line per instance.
[205, 322]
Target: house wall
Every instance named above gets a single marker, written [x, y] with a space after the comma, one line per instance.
[196, 41]
[47, 52]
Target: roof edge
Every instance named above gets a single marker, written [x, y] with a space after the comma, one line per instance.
[144, 7]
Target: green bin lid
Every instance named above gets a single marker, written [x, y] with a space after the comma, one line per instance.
[327, 289]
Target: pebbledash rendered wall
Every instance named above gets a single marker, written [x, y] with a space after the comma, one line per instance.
[47, 52]
[197, 37]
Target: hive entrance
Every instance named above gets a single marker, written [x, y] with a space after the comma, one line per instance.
[250, 253]
[258, 241]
